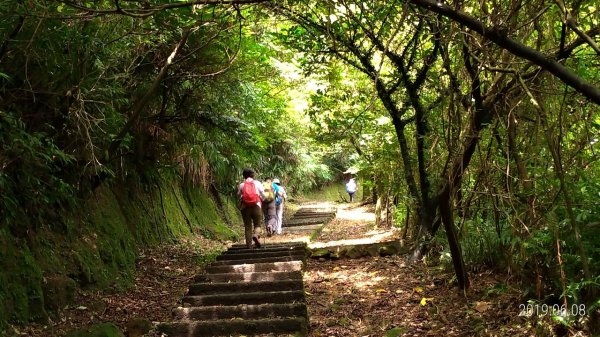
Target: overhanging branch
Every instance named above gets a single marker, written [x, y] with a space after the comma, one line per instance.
[516, 48]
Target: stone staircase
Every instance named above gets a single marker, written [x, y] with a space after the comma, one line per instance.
[309, 219]
[246, 291]
[251, 291]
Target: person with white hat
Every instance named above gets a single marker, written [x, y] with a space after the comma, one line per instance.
[280, 198]
[351, 188]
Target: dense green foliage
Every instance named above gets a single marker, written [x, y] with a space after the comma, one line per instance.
[483, 120]
[458, 130]
[118, 131]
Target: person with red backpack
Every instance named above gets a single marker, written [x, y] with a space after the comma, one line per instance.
[251, 193]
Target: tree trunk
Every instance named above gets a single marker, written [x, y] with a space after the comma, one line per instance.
[448, 221]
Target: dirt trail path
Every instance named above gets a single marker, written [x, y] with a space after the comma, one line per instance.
[384, 296]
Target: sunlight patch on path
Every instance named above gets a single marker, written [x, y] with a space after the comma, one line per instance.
[355, 214]
[353, 226]
[360, 279]
[372, 237]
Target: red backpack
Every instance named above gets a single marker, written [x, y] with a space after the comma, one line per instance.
[249, 195]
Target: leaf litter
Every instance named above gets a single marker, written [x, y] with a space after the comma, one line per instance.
[387, 296]
[161, 279]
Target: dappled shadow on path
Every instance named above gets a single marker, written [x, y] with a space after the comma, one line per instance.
[354, 225]
[385, 296]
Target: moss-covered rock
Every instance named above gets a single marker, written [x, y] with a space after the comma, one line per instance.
[21, 296]
[320, 252]
[59, 291]
[355, 252]
[137, 327]
[98, 330]
[373, 250]
[389, 249]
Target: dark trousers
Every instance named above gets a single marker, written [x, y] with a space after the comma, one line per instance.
[252, 216]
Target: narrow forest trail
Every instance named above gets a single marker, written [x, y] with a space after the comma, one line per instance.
[278, 290]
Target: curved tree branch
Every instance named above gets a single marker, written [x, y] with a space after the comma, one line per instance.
[518, 49]
[145, 12]
[140, 107]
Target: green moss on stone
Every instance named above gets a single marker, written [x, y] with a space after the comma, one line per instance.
[98, 330]
[21, 278]
[96, 246]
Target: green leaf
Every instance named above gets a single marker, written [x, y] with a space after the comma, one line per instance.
[395, 332]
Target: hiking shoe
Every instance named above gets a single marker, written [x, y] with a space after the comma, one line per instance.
[256, 242]
[269, 231]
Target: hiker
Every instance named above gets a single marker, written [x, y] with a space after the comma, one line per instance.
[251, 193]
[269, 207]
[280, 197]
[351, 188]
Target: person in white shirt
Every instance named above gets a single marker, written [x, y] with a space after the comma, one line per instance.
[279, 205]
[351, 188]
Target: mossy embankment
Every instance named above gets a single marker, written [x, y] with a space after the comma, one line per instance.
[96, 245]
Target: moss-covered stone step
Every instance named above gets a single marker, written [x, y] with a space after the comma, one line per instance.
[98, 330]
[257, 297]
[245, 311]
[266, 249]
[308, 209]
[302, 229]
[306, 221]
[313, 214]
[234, 326]
[257, 253]
[207, 288]
[260, 260]
[256, 267]
[269, 245]
[354, 251]
[249, 277]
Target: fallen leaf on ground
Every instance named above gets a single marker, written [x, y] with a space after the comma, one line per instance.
[424, 300]
[482, 306]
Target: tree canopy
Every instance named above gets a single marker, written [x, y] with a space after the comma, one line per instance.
[481, 118]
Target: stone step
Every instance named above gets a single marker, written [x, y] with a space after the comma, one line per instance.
[207, 288]
[255, 267]
[241, 311]
[299, 229]
[269, 245]
[265, 249]
[232, 327]
[259, 260]
[357, 250]
[258, 297]
[250, 277]
[316, 209]
[258, 254]
[313, 214]
[304, 222]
